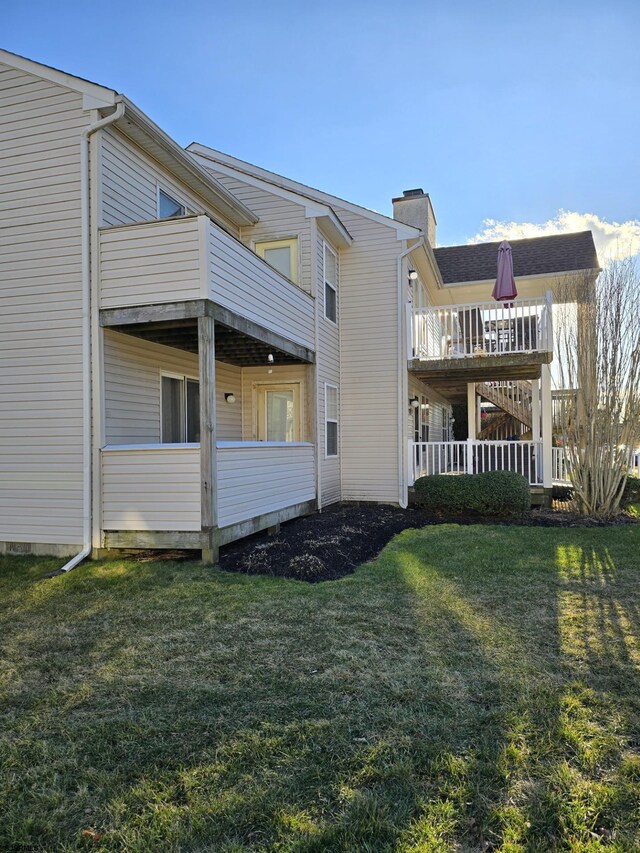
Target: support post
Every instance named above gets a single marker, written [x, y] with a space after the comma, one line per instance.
[208, 473]
[535, 410]
[471, 424]
[547, 427]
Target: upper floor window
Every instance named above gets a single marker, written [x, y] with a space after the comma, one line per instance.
[330, 284]
[282, 255]
[168, 206]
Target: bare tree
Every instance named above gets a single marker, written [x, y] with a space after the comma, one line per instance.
[598, 354]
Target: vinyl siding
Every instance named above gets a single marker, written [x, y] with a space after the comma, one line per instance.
[151, 489]
[437, 407]
[132, 389]
[327, 371]
[130, 180]
[151, 263]
[261, 479]
[279, 218]
[244, 283]
[40, 321]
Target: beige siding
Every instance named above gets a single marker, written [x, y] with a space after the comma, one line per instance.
[130, 181]
[368, 306]
[151, 263]
[327, 371]
[279, 218]
[244, 283]
[132, 389]
[40, 320]
[151, 489]
[263, 478]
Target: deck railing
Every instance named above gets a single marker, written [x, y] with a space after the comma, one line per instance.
[561, 467]
[476, 457]
[481, 328]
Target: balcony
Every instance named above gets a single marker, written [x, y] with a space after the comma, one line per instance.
[191, 259]
[481, 341]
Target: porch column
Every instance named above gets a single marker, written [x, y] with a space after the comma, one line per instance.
[547, 426]
[535, 410]
[471, 424]
[208, 473]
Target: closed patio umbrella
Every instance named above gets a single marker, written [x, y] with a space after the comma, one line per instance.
[504, 289]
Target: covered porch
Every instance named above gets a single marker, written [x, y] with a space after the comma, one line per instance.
[207, 433]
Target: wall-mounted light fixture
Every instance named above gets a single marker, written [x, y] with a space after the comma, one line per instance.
[414, 402]
[413, 275]
[270, 358]
[230, 398]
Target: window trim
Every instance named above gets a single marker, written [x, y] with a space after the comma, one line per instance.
[161, 189]
[260, 403]
[183, 377]
[335, 421]
[327, 283]
[293, 244]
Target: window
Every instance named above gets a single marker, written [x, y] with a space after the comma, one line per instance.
[330, 284]
[179, 409]
[282, 255]
[331, 420]
[278, 412]
[168, 206]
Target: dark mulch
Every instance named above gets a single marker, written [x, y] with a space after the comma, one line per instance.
[325, 546]
[331, 544]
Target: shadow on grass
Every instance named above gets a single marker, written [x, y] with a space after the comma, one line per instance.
[474, 688]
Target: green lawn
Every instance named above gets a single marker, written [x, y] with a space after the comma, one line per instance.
[476, 688]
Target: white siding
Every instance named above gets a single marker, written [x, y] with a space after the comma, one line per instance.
[279, 218]
[151, 489]
[244, 283]
[151, 263]
[130, 182]
[132, 389]
[40, 320]
[253, 480]
[327, 371]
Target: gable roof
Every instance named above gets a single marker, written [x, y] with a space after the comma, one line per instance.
[241, 166]
[145, 133]
[531, 256]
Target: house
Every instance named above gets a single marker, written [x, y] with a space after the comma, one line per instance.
[193, 348]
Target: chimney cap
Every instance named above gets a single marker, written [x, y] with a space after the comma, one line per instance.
[412, 193]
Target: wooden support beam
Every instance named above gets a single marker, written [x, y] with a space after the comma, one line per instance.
[208, 478]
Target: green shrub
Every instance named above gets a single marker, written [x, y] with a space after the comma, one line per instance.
[631, 494]
[493, 493]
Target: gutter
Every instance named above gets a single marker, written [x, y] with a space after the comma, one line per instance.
[403, 383]
[86, 332]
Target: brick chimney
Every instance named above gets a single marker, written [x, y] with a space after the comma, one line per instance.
[414, 208]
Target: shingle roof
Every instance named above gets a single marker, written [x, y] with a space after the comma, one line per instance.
[531, 256]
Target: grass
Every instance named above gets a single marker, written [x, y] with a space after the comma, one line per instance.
[473, 689]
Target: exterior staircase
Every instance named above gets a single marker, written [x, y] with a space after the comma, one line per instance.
[512, 398]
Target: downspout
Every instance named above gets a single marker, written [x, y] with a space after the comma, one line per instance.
[86, 331]
[403, 387]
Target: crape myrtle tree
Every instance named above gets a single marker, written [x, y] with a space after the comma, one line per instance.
[597, 331]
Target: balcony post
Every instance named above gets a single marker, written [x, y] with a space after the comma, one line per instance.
[471, 424]
[208, 462]
[547, 427]
[535, 410]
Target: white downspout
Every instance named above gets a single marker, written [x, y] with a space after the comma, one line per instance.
[403, 384]
[86, 331]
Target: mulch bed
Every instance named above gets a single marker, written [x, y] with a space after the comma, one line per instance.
[331, 544]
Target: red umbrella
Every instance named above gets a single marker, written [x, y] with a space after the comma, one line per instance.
[505, 286]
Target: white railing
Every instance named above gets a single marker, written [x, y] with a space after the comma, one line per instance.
[476, 457]
[481, 328]
[561, 472]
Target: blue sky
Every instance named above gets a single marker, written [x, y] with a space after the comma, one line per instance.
[504, 111]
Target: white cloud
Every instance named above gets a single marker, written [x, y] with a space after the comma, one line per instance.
[612, 239]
